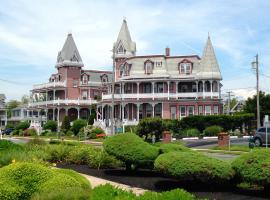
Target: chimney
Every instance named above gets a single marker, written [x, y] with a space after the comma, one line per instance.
[167, 51]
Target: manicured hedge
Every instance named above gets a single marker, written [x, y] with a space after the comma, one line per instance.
[193, 166]
[253, 167]
[108, 192]
[212, 131]
[22, 180]
[166, 148]
[131, 149]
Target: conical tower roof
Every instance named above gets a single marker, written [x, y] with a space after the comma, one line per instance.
[124, 40]
[69, 55]
[209, 68]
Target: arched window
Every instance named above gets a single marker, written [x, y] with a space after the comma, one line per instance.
[124, 69]
[148, 67]
[84, 79]
[104, 79]
[185, 67]
[215, 86]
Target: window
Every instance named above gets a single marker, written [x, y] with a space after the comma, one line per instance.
[200, 110]
[159, 87]
[159, 64]
[124, 70]
[182, 111]
[173, 112]
[148, 67]
[75, 83]
[121, 70]
[207, 110]
[85, 79]
[190, 110]
[216, 110]
[84, 95]
[185, 68]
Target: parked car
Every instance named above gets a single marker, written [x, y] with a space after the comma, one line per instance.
[260, 136]
[8, 131]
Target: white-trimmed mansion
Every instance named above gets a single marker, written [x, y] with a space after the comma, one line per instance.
[171, 87]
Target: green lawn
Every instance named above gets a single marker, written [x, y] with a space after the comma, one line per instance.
[233, 147]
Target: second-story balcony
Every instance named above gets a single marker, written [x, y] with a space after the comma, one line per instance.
[54, 84]
[63, 102]
[153, 96]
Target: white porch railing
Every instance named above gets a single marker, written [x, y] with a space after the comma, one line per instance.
[50, 85]
[161, 95]
[64, 102]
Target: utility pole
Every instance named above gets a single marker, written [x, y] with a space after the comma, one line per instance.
[113, 83]
[229, 103]
[255, 65]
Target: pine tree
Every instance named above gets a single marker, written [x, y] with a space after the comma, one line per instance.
[65, 124]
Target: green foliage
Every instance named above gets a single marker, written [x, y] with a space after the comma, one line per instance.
[92, 115]
[37, 141]
[109, 192]
[253, 167]
[50, 125]
[166, 148]
[30, 132]
[23, 125]
[22, 180]
[212, 131]
[58, 153]
[8, 145]
[77, 125]
[189, 165]
[145, 127]
[9, 126]
[191, 132]
[65, 124]
[131, 149]
[131, 129]
[80, 154]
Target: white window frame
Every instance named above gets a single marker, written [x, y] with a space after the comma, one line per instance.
[180, 112]
[85, 79]
[185, 68]
[200, 110]
[206, 112]
[149, 67]
[188, 110]
[84, 95]
[216, 110]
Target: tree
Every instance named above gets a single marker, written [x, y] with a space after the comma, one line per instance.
[77, 125]
[50, 125]
[93, 115]
[10, 105]
[65, 124]
[25, 99]
[251, 105]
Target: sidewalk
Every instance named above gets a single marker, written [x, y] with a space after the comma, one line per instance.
[98, 181]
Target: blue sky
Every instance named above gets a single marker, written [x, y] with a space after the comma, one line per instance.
[33, 31]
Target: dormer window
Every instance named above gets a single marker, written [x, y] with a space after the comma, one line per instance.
[185, 67]
[104, 79]
[148, 67]
[124, 70]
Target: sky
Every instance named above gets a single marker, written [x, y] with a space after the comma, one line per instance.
[33, 31]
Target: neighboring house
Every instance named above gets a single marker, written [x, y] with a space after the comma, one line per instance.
[166, 86]
[72, 90]
[3, 111]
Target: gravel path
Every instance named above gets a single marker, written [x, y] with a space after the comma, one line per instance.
[99, 181]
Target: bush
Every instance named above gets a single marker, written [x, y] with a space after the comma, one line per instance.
[65, 124]
[212, 131]
[253, 167]
[131, 149]
[109, 192]
[192, 132]
[77, 125]
[50, 125]
[80, 154]
[30, 132]
[8, 145]
[37, 141]
[166, 148]
[22, 180]
[58, 153]
[145, 128]
[94, 132]
[131, 129]
[23, 125]
[193, 166]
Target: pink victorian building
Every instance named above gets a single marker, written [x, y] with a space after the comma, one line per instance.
[166, 86]
[71, 91]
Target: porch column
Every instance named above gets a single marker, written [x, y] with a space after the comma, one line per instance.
[102, 108]
[153, 90]
[66, 111]
[197, 88]
[153, 109]
[168, 87]
[78, 110]
[53, 94]
[123, 90]
[46, 114]
[58, 118]
[46, 97]
[53, 114]
[203, 89]
[138, 111]
[218, 87]
[176, 86]
[123, 111]
[138, 90]
[211, 88]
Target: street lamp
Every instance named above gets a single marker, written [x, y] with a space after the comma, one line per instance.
[255, 65]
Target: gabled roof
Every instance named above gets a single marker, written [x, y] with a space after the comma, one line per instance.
[124, 39]
[209, 67]
[69, 55]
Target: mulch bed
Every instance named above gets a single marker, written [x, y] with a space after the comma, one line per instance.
[154, 181]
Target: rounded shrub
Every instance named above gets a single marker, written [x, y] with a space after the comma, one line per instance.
[192, 132]
[131, 149]
[193, 166]
[77, 125]
[253, 167]
[23, 125]
[169, 147]
[22, 180]
[150, 126]
[212, 130]
[50, 125]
